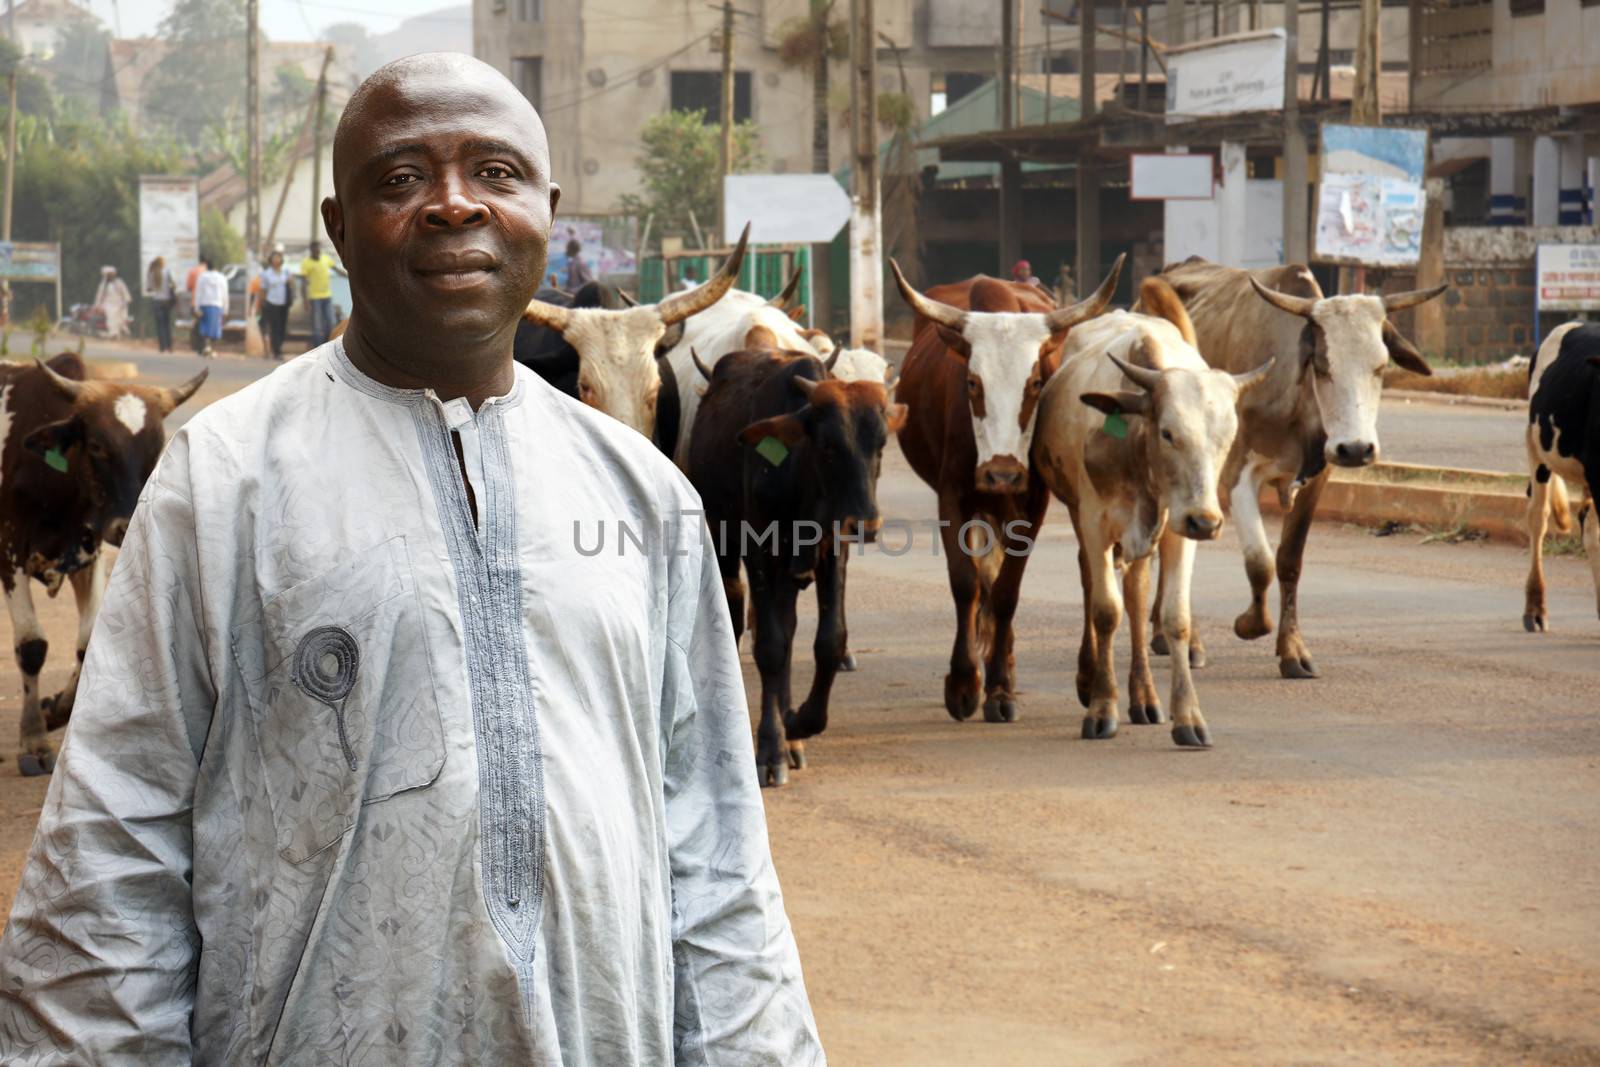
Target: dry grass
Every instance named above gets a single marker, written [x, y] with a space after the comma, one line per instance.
[1495, 382]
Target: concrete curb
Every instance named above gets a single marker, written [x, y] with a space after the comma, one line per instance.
[1454, 400]
[1499, 514]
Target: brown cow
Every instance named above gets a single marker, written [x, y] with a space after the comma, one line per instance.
[74, 456]
[984, 349]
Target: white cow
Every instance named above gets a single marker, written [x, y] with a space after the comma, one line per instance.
[1132, 433]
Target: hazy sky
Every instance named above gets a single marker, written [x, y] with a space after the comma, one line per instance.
[283, 20]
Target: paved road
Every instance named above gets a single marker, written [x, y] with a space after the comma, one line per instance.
[1393, 864]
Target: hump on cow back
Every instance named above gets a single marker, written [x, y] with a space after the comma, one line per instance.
[68, 365]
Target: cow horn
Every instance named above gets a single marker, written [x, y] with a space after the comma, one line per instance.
[680, 306]
[828, 363]
[1401, 301]
[173, 397]
[1143, 377]
[1083, 310]
[932, 310]
[781, 301]
[623, 295]
[554, 316]
[805, 385]
[65, 386]
[1294, 305]
[1252, 378]
[705, 371]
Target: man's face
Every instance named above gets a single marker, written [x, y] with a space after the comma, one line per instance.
[316, 250]
[443, 209]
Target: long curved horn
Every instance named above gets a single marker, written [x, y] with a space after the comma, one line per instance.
[705, 371]
[65, 386]
[1294, 305]
[680, 306]
[554, 316]
[828, 363]
[781, 301]
[173, 397]
[626, 298]
[1252, 378]
[932, 310]
[1143, 377]
[805, 385]
[1083, 310]
[1401, 301]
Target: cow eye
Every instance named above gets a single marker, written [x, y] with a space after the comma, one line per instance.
[1166, 435]
[97, 450]
[972, 386]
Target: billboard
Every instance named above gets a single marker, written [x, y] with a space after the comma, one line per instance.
[784, 208]
[608, 246]
[1171, 177]
[169, 224]
[1567, 277]
[1226, 75]
[30, 261]
[1371, 200]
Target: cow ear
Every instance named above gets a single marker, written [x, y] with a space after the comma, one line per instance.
[954, 340]
[897, 417]
[797, 312]
[54, 436]
[1403, 352]
[790, 429]
[1118, 403]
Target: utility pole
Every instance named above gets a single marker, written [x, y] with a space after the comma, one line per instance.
[1008, 59]
[313, 115]
[1088, 172]
[1010, 167]
[727, 118]
[11, 154]
[1295, 221]
[252, 217]
[316, 144]
[1365, 108]
[866, 221]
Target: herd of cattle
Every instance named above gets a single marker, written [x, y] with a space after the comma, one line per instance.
[1150, 424]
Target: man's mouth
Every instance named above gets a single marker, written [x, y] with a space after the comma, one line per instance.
[456, 270]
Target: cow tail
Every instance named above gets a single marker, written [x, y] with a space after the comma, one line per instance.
[1560, 506]
[988, 566]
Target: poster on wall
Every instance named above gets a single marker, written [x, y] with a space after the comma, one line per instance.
[169, 225]
[1226, 75]
[1371, 200]
[30, 261]
[1567, 277]
[606, 246]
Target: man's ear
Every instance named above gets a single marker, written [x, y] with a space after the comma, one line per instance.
[1403, 352]
[555, 198]
[897, 417]
[790, 429]
[954, 339]
[333, 222]
[56, 435]
[1123, 403]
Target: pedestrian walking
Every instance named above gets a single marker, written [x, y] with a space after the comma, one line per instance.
[210, 305]
[190, 280]
[161, 290]
[113, 300]
[316, 277]
[578, 274]
[274, 295]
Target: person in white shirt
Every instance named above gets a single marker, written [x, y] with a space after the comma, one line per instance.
[273, 296]
[210, 304]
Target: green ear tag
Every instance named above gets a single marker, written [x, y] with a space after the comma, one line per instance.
[1116, 425]
[55, 459]
[773, 450]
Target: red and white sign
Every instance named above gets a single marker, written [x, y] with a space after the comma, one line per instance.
[1567, 277]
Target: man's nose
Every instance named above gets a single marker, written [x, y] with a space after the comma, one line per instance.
[458, 207]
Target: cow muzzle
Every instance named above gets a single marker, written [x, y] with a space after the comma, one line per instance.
[855, 529]
[116, 530]
[1002, 474]
[1352, 453]
[1201, 525]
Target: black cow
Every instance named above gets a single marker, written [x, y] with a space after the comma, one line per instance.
[1563, 444]
[786, 460]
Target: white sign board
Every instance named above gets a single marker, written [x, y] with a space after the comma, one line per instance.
[784, 208]
[169, 224]
[1194, 227]
[1171, 177]
[1371, 200]
[1226, 76]
[1568, 277]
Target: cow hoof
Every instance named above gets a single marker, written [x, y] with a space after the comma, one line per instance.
[774, 775]
[999, 709]
[34, 764]
[1297, 668]
[1185, 735]
[1146, 714]
[1159, 646]
[797, 757]
[1098, 729]
[959, 701]
[1250, 626]
[1534, 624]
[847, 662]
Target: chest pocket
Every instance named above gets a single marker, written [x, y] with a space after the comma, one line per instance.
[341, 696]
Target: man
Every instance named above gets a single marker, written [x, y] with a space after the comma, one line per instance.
[316, 278]
[578, 274]
[113, 300]
[210, 305]
[370, 764]
[1022, 272]
[190, 280]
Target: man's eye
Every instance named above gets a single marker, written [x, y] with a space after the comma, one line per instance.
[495, 170]
[400, 179]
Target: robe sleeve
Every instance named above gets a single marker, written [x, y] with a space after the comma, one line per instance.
[739, 995]
[97, 965]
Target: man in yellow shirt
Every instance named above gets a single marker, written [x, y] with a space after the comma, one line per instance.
[316, 278]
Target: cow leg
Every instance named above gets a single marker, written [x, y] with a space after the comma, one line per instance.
[774, 594]
[1105, 613]
[1535, 615]
[847, 659]
[88, 585]
[1294, 659]
[1158, 639]
[829, 649]
[1245, 504]
[1087, 648]
[962, 686]
[1144, 706]
[1591, 537]
[1188, 725]
[35, 754]
[1000, 673]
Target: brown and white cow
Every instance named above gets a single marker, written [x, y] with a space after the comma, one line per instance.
[1319, 408]
[74, 456]
[1133, 433]
[982, 353]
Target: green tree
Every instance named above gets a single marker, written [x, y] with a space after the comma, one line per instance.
[33, 91]
[218, 239]
[77, 68]
[199, 85]
[679, 168]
